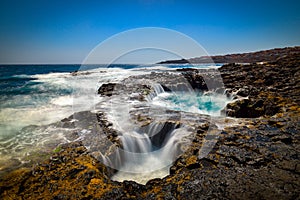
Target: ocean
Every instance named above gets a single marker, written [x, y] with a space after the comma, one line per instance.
[33, 98]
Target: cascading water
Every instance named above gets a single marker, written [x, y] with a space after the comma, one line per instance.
[143, 160]
[148, 151]
[158, 89]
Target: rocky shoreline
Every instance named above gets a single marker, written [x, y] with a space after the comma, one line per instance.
[253, 57]
[256, 157]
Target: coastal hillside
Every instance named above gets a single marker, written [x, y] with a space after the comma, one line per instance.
[252, 57]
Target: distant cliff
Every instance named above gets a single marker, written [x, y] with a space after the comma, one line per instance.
[253, 57]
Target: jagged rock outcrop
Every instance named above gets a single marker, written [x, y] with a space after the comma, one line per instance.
[255, 157]
[265, 86]
[254, 107]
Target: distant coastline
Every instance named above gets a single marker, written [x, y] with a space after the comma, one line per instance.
[252, 57]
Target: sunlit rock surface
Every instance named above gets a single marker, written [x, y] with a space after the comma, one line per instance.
[256, 156]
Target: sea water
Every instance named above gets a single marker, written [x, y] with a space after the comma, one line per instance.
[34, 97]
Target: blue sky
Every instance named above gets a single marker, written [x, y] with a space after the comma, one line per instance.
[56, 31]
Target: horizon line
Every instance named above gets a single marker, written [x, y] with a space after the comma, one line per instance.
[157, 62]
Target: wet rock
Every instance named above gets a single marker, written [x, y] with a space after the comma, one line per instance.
[107, 89]
[243, 92]
[255, 157]
[159, 138]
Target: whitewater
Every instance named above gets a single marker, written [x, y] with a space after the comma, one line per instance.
[34, 99]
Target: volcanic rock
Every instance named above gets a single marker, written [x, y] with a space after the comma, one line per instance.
[256, 155]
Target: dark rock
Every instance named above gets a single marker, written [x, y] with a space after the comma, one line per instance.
[254, 57]
[254, 107]
[107, 89]
[253, 158]
[159, 138]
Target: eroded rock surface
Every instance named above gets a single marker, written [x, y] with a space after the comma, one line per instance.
[255, 157]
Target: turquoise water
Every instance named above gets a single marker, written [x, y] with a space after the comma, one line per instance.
[210, 104]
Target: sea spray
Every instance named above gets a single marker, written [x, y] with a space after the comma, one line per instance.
[143, 161]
